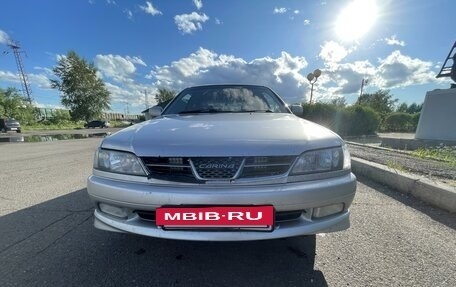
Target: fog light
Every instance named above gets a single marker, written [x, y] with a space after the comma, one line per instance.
[113, 210]
[327, 210]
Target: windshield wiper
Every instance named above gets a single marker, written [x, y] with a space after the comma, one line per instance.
[256, 111]
[200, 111]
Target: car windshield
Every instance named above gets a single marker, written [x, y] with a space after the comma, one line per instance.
[226, 99]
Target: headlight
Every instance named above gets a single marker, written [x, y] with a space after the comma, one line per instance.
[118, 162]
[321, 161]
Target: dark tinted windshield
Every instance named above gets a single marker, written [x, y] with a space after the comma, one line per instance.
[226, 99]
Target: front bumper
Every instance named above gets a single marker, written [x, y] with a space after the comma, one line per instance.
[301, 196]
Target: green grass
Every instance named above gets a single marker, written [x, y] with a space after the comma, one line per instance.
[67, 125]
[395, 165]
[61, 126]
[445, 153]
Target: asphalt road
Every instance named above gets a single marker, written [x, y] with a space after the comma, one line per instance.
[47, 238]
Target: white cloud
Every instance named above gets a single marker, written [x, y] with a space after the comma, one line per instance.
[218, 22]
[283, 74]
[280, 10]
[198, 4]
[39, 80]
[129, 14]
[150, 9]
[296, 11]
[398, 70]
[8, 76]
[189, 23]
[4, 38]
[118, 68]
[333, 52]
[394, 71]
[111, 2]
[346, 78]
[119, 75]
[394, 41]
[136, 60]
[306, 22]
[132, 93]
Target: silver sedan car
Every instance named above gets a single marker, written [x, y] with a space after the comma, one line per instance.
[223, 163]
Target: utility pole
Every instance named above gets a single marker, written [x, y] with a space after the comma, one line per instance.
[26, 90]
[363, 83]
[146, 99]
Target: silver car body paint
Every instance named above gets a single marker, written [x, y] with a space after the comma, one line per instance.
[224, 135]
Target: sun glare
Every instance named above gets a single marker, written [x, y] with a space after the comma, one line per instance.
[356, 19]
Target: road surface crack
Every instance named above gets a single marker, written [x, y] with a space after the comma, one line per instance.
[63, 235]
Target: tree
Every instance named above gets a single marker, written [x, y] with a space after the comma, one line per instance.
[82, 91]
[164, 95]
[412, 109]
[402, 108]
[13, 105]
[60, 117]
[381, 101]
[338, 102]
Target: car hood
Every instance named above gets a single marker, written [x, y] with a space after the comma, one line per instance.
[245, 134]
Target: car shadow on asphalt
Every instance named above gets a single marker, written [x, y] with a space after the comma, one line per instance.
[54, 243]
[436, 214]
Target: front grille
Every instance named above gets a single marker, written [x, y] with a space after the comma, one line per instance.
[261, 166]
[201, 169]
[280, 216]
[208, 168]
[170, 168]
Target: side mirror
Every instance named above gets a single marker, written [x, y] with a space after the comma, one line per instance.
[155, 111]
[296, 109]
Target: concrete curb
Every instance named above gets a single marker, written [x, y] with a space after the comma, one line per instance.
[437, 194]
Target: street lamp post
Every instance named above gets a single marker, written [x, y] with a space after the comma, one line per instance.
[313, 77]
[363, 83]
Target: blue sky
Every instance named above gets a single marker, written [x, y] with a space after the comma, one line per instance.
[139, 46]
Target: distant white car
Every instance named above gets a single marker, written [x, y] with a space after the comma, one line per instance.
[223, 163]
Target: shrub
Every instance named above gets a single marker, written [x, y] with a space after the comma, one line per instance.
[400, 122]
[361, 120]
[321, 113]
[353, 120]
[60, 116]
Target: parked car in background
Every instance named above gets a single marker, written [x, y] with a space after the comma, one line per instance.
[9, 124]
[223, 163]
[97, 124]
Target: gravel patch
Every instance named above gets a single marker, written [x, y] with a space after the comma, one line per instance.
[406, 162]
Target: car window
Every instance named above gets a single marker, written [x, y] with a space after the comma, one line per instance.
[226, 99]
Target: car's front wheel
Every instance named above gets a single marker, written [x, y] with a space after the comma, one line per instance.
[18, 131]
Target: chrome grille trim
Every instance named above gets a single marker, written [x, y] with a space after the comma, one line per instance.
[228, 173]
[186, 170]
